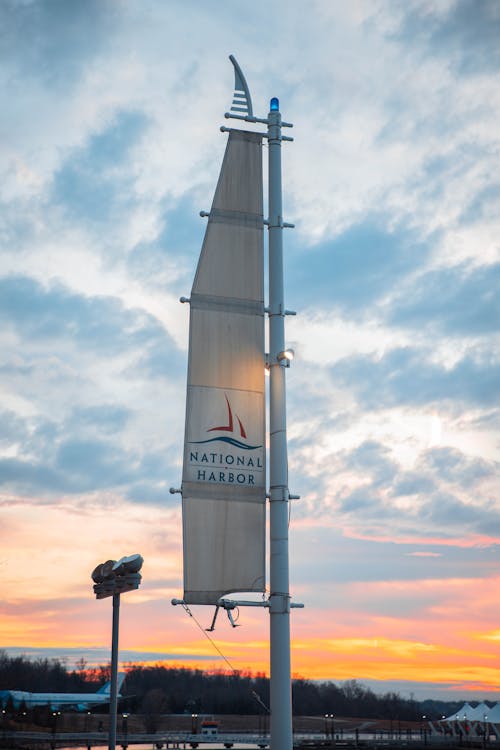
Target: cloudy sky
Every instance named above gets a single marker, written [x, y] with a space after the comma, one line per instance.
[110, 146]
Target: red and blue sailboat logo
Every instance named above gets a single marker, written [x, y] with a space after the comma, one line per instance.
[232, 429]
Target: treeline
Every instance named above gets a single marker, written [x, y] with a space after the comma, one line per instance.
[167, 690]
[161, 690]
[48, 675]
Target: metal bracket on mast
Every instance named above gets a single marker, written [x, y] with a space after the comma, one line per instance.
[264, 121]
[230, 617]
[229, 604]
[283, 224]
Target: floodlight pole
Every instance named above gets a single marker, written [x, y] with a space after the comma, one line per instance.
[113, 578]
[113, 701]
[279, 597]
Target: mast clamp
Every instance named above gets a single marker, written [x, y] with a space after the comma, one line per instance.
[234, 603]
[267, 223]
[246, 118]
[251, 118]
[223, 129]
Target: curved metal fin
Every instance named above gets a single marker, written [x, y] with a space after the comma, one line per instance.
[242, 101]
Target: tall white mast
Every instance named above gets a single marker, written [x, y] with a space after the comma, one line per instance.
[281, 697]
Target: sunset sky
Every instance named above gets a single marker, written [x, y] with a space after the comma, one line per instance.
[110, 146]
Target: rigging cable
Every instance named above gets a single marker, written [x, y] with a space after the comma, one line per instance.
[233, 669]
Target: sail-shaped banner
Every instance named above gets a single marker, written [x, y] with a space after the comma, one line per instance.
[223, 480]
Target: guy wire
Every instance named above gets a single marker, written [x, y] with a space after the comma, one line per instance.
[233, 669]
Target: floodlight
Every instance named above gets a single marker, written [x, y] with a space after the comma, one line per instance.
[285, 357]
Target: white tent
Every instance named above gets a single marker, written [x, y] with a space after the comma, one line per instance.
[463, 713]
[478, 713]
[475, 720]
[493, 714]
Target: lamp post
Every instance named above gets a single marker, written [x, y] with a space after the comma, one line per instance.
[329, 726]
[112, 578]
[55, 715]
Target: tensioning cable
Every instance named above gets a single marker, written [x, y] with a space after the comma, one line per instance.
[233, 669]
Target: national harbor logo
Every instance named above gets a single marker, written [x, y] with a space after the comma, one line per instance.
[237, 461]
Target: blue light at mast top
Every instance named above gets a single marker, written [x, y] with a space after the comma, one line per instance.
[275, 104]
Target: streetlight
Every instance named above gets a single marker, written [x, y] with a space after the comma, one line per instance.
[112, 578]
[329, 726]
[55, 714]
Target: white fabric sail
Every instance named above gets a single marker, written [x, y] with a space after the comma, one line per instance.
[223, 480]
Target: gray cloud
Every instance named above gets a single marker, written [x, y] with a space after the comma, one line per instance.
[26, 477]
[448, 493]
[356, 269]
[457, 301]
[364, 500]
[82, 453]
[80, 447]
[372, 458]
[406, 376]
[466, 34]
[347, 560]
[454, 466]
[434, 512]
[148, 492]
[100, 195]
[53, 40]
[94, 462]
[82, 465]
[101, 324]
[12, 428]
[177, 245]
[445, 510]
[413, 483]
[107, 418]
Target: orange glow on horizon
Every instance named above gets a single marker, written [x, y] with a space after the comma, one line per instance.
[432, 630]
